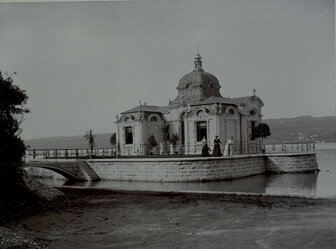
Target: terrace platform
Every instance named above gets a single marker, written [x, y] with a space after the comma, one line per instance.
[182, 169]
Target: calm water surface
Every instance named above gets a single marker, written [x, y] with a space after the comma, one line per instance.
[319, 184]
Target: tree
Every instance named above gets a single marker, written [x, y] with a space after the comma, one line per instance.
[90, 138]
[166, 132]
[262, 130]
[152, 143]
[174, 139]
[113, 139]
[12, 101]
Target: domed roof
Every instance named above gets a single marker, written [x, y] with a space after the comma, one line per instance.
[196, 86]
[198, 77]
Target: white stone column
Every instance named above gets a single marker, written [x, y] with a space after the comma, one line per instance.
[186, 134]
[243, 132]
[117, 141]
[217, 125]
[225, 129]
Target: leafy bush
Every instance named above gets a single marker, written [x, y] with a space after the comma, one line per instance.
[152, 141]
[174, 139]
[262, 130]
[113, 139]
[12, 148]
[166, 131]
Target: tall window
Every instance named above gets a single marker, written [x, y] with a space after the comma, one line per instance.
[129, 135]
[252, 127]
[201, 130]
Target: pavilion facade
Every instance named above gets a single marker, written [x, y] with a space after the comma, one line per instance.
[199, 111]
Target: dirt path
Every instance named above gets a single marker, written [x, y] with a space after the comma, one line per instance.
[104, 219]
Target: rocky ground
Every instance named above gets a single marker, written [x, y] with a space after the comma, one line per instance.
[107, 219]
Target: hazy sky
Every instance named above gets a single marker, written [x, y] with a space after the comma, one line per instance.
[82, 63]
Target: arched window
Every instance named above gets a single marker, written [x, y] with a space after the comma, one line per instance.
[252, 113]
[128, 118]
[201, 114]
[154, 119]
[231, 112]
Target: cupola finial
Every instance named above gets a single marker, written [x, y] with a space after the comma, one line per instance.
[198, 60]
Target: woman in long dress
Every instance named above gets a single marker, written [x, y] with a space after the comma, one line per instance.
[228, 147]
[217, 149]
[205, 148]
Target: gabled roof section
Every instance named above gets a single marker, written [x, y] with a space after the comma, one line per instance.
[214, 100]
[148, 108]
[246, 99]
[221, 100]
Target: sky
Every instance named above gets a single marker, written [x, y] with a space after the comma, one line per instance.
[81, 63]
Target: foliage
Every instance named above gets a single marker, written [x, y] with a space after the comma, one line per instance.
[152, 141]
[168, 135]
[90, 138]
[166, 131]
[12, 101]
[174, 139]
[262, 130]
[113, 139]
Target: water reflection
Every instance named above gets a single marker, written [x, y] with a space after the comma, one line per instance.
[316, 184]
[279, 184]
[292, 184]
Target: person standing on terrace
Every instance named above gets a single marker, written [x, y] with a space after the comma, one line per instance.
[217, 149]
[228, 147]
[205, 148]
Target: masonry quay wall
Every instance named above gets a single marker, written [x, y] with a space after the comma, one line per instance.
[43, 173]
[291, 163]
[177, 169]
[201, 169]
[182, 169]
[69, 169]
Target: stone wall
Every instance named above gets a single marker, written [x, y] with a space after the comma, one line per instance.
[172, 169]
[43, 173]
[291, 163]
[65, 168]
[183, 169]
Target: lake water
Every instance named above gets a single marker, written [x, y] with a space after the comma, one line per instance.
[318, 184]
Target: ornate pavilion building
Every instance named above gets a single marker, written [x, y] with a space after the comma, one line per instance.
[198, 111]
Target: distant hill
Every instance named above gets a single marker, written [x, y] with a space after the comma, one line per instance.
[79, 142]
[297, 129]
[318, 129]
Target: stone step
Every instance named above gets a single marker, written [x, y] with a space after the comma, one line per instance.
[88, 171]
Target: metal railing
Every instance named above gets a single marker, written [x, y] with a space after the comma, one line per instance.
[165, 150]
[68, 154]
[186, 149]
[289, 147]
[140, 150]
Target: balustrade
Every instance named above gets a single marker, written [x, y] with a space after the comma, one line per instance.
[144, 150]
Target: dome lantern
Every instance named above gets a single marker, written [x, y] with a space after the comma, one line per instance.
[198, 63]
